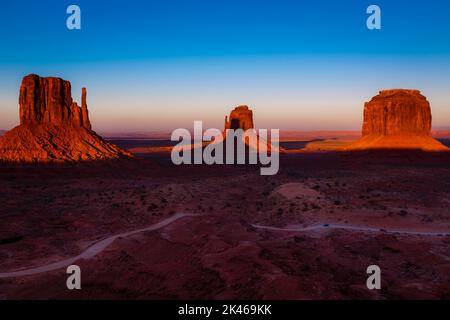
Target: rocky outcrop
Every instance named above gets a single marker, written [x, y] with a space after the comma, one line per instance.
[397, 119]
[240, 118]
[84, 111]
[48, 101]
[393, 112]
[53, 128]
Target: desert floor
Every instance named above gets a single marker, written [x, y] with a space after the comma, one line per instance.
[232, 243]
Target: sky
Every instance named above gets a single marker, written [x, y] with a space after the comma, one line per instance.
[160, 65]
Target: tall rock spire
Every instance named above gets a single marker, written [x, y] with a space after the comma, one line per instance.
[84, 111]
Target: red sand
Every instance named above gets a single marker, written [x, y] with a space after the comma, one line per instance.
[51, 213]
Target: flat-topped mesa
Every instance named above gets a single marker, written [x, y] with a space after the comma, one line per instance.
[48, 101]
[397, 119]
[397, 111]
[240, 118]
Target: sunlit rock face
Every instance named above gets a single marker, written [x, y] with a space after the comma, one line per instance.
[240, 118]
[48, 101]
[397, 119]
[399, 111]
[53, 128]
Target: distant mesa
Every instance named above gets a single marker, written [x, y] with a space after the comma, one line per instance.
[53, 128]
[240, 118]
[397, 112]
[397, 119]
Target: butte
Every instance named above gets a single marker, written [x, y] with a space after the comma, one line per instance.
[241, 117]
[53, 128]
[397, 119]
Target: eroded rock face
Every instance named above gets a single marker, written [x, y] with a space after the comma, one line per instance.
[240, 118]
[84, 111]
[397, 119]
[399, 111]
[53, 128]
[48, 101]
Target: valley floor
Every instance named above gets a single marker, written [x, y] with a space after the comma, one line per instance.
[244, 236]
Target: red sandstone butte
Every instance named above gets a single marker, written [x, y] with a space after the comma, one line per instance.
[397, 119]
[53, 128]
[240, 118]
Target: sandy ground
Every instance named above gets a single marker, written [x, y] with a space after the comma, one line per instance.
[50, 214]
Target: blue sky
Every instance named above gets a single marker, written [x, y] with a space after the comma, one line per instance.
[152, 65]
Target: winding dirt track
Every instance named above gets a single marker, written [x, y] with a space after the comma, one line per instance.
[94, 249]
[355, 228]
[98, 246]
